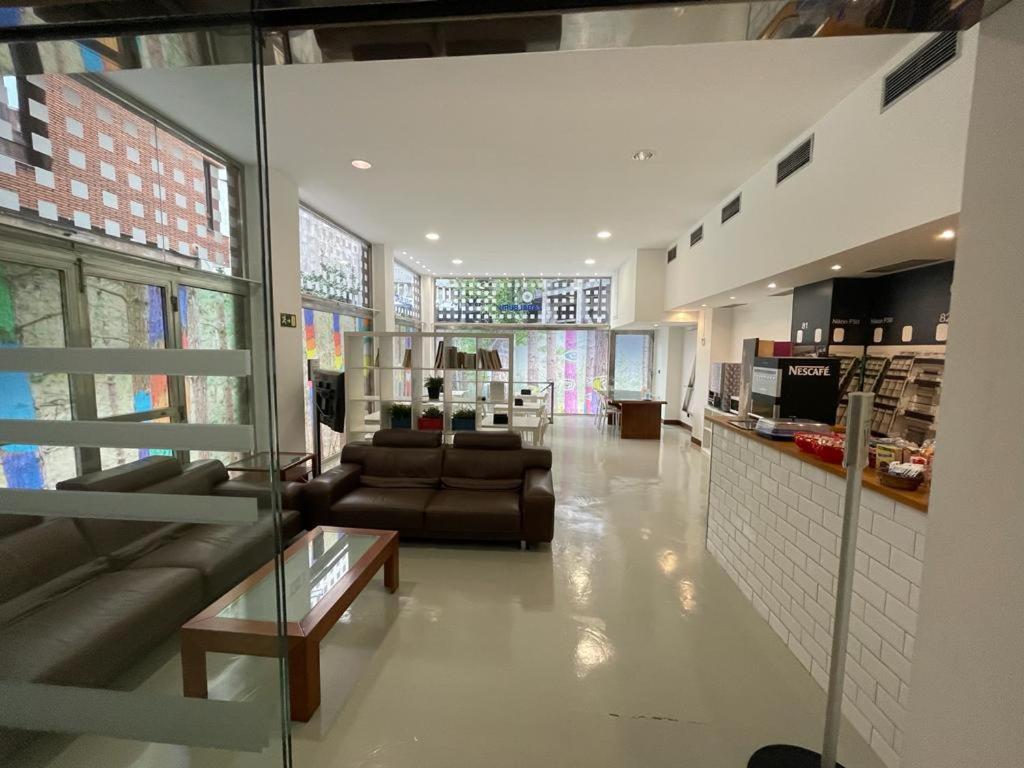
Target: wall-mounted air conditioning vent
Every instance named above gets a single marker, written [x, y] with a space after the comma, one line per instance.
[697, 235]
[901, 266]
[794, 161]
[731, 208]
[919, 67]
[672, 254]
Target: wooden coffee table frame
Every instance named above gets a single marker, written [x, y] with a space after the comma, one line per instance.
[208, 633]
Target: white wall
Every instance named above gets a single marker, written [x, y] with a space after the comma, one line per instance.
[624, 288]
[768, 319]
[690, 343]
[288, 342]
[967, 706]
[873, 174]
[668, 367]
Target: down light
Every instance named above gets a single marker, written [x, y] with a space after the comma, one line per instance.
[836, 267]
[433, 236]
[604, 234]
[456, 261]
[947, 234]
[362, 165]
[732, 298]
[590, 261]
[772, 285]
[643, 154]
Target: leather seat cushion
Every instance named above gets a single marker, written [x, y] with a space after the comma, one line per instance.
[468, 511]
[88, 636]
[222, 554]
[391, 509]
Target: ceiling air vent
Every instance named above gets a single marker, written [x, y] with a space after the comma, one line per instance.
[697, 235]
[901, 266]
[794, 161]
[731, 208]
[672, 254]
[919, 67]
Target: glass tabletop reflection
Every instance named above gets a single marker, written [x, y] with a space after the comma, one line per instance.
[309, 574]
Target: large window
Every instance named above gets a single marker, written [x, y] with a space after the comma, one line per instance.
[632, 356]
[407, 294]
[575, 360]
[334, 264]
[527, 300]
[73, 156]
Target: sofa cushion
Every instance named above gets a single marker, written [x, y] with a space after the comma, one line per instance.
[13, 523]
[373, 481]
[33, 556]
[468, 511]
[123, 539]
[469, 464]
[127, 477]
[88, 636]
[222, 554]
[392, 509]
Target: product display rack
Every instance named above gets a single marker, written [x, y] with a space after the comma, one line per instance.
[386, 368]
[889, 388]
[874, 371]
[920, 408]
[849, 375]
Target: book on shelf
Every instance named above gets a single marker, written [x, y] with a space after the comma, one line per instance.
[376, 360]
[489, 360]
[407, 359]
[439, 356]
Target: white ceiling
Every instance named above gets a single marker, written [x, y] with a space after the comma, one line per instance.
[517, 161]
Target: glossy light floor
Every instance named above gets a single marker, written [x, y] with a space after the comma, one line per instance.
[623, 644]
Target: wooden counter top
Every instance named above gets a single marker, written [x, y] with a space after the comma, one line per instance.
[916, 499]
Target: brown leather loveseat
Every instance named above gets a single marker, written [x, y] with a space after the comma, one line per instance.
[81, 599]
[484, 487]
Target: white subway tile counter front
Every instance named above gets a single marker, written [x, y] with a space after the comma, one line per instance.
[774, 525]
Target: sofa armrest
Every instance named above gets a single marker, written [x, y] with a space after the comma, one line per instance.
[322, 491]
[538, 506]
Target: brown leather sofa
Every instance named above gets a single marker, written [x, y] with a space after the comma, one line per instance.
[484, 487]
[80, 599]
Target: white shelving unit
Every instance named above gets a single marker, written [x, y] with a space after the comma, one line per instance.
[376, 379]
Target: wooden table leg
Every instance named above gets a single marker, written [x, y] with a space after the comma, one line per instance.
[193, 667]
[304, 679]
[391, 571]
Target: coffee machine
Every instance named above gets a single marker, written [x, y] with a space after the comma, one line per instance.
[795, 388]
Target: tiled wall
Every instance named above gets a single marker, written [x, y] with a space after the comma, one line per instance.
[774, 525]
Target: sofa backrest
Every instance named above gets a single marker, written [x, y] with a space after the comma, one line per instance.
[127, 477]
[35, 554]
[196, 478]
[386, 467]
[406, 438]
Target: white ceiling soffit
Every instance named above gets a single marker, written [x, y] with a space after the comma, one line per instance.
[518, 161]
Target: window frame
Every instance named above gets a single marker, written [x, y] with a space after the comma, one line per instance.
[341, 306]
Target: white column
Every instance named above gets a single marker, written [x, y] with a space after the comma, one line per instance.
[967, 703]
[383, 267]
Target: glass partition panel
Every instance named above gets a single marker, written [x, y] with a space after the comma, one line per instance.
[632, 356]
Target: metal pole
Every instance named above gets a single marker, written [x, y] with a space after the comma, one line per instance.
[858, 425]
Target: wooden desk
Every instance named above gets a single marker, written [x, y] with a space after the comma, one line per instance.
[639, 419]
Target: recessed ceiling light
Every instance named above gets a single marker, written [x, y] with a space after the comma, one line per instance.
[362, 165]
[703, 305]
[405, 253]
[643, 154]
[947, 234]
[590, 261]
[732, 298]
[542, 274]
[772, 285]
[604, 234]
[433, 236]
[523, 274]
[655, 325]
[456, 261]
[836, 267]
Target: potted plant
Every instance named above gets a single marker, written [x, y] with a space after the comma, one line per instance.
[464, 420]
[401, 416]
[432, 419]
[434, 386]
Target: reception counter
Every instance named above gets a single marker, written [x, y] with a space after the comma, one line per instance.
[774, 522]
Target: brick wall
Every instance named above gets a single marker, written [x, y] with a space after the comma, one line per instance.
[774, 525]
[71, 155]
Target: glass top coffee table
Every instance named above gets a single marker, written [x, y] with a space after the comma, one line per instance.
[324, 570]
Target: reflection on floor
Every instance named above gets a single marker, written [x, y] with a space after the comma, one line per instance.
[623, 644]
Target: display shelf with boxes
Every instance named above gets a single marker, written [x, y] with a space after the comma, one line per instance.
[426, 381]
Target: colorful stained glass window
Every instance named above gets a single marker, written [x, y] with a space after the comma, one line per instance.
[324, 334]
[574, 360]
[31, 315]
[334, 264]
[214, 320]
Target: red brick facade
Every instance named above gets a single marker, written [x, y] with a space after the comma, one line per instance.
[73, 155]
